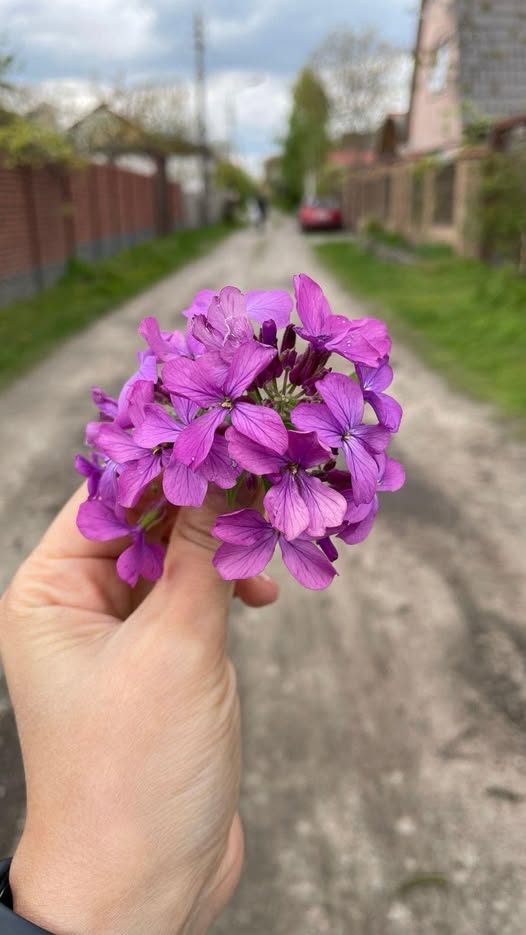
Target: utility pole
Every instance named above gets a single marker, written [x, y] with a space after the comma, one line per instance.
[200, 97]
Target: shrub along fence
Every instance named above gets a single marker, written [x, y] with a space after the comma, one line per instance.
[50, 214]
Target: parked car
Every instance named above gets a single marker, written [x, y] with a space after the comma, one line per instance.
[320, 214]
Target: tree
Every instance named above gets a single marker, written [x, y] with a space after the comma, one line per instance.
[306, 143]
[147, 121]
[233, 178]
[358, 70]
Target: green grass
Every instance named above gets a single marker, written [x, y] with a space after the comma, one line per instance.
[465, 318]
[31, 328]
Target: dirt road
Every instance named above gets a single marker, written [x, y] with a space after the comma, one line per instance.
[384, 720]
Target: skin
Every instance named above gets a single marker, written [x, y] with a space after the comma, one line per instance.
[128, 716]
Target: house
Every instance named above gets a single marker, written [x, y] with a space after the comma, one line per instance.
[470, 71]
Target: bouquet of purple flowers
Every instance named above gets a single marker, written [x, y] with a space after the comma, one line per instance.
[227, 405]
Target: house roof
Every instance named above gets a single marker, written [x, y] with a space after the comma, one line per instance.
[492, 46]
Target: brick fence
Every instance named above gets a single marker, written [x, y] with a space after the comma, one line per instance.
[48, 215]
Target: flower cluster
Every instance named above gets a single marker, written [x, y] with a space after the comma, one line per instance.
[233, 402]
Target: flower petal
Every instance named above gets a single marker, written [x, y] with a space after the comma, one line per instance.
[117, 444]
[195, 441]
[190, 378]
[392, 476]
[135, 478]
[243, 527]
[375, 437]
[261, 424]
[313, 307]
[165, 344]
[158, 428]
[388, 410]
[286, 508]
[256, 458]
[344, 398]
[129, 563]
[218, 466]
[376, 379]
[307, 563]
[265, 305]
[306, 449]
[317, 417]
[366, 342]
[363, 469]
[97, 521]
[247, 361]
[234, 562]
[353, 533]
[200, 303]
[326, 506]
[152, 560]
[182, 486]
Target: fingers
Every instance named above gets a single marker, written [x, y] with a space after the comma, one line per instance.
[191, 592]
[257, 592]
[64, 540]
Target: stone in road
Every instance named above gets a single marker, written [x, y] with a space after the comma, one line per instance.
[385, 719]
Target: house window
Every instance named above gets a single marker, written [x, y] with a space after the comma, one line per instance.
[444, 195]
[438, 69]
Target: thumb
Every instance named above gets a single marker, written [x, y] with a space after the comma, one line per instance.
[191, 592]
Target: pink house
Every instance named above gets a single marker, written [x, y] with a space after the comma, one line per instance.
[470, 67]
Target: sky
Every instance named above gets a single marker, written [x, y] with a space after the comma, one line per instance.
[254, 50]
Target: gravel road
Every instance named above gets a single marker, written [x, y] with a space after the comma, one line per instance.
[384, 720]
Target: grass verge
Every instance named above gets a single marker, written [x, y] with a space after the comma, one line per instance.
[30, 328]
[465, 318]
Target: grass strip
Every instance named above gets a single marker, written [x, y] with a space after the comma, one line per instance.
[465, 318]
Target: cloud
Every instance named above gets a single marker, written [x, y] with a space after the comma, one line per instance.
[61, 38]
[254, 49]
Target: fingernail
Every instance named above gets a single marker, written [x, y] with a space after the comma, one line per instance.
[264, 577]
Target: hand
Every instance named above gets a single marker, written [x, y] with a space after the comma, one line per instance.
[128, 717]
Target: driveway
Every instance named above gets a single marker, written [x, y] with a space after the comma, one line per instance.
[384, 720]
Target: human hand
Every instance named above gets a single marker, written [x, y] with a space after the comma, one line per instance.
[128, 717]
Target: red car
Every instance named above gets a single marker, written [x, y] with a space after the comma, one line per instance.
[321, 214]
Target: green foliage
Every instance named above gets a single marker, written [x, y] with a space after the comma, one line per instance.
[233, 178]
[25, 142]
[306, 143]
[501, 207]
[466, 318]
[29, 329]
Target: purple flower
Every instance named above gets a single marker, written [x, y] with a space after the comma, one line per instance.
[320, 327]
[182, 485]
[359, 517]
[167, 345]
[362, 340]
[118, 409]
[373, 381]
[366, 342]
[248, 545]
[92, 470]
[338, 422]
[96, 520]
[219, 388]
[226, 325]
[139, 465]
[297, 502]
[259, 304]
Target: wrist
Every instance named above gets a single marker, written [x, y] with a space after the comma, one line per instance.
[81, 900]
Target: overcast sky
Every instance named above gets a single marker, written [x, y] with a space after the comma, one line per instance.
[254, 49]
